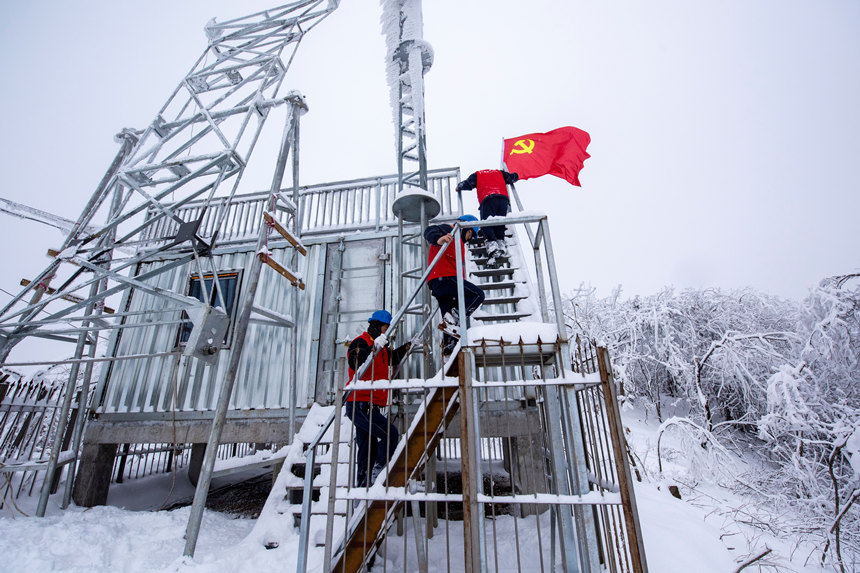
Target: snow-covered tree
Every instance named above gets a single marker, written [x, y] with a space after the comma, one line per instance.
[779, 379]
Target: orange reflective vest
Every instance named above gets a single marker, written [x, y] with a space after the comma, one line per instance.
[378, 370]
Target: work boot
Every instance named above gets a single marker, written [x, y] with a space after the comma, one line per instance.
[374, 473]
[452, 317]
[448, 344]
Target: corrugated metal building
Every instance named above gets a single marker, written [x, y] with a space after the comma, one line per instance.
[353, 244]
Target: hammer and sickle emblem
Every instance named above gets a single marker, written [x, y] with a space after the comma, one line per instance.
[522, 146]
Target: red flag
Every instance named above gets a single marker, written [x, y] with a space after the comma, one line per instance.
[560, 152]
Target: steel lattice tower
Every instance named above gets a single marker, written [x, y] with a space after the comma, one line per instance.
[195, 149]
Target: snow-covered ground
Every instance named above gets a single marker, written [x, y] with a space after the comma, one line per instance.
[698, 533]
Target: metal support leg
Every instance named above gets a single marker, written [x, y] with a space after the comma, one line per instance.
[202, 491]
[419, 534]
[64, 411]
[469, 459]
[335, 459]
[561, 484]
[307, 493]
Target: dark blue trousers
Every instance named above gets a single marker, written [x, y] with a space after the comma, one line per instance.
[494, 206]
[444, 290]
[375, 438]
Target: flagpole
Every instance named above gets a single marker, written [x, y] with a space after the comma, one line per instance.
[502, 156]
[516, 196]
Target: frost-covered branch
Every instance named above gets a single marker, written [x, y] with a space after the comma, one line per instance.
[779, 380]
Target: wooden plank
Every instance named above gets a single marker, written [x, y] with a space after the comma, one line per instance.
[635, 543]
[281, 270]
[66, 297]
[284, 233]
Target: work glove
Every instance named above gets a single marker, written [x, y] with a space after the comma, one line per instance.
[380, 341]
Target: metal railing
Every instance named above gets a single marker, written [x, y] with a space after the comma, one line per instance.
[334, 417]
[135, 461]
[29, 416]
[344, 206]
[538, 459]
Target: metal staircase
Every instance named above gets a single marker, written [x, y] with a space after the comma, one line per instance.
[564, 453]
[508, 296]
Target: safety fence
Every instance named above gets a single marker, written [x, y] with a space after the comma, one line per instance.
[546, 487]
[135, 461]
[29, 410]
[29, 416]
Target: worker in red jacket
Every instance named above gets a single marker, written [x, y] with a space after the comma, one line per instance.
[493, 200]
[375, 437]
[443, 278]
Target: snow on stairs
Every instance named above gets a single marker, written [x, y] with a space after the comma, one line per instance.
[281, 513]
[509, 298]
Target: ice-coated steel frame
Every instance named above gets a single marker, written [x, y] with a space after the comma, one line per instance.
[409, 58]
[196, 148]
[290, 141]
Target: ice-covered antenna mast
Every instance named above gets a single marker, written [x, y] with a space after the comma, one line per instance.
[409, 57]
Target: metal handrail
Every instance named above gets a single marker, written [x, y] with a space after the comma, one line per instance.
[536, 243]
[310, 454]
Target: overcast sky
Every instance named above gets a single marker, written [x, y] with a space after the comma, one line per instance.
[724, 134]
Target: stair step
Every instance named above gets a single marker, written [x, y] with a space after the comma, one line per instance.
[482, 252]
[482, 261]
[297, 517]
[295, 495]
[298, 469]
[496, 317]
[482, 248]
[493, 272]
[497, 285]
[504, 300]
[365, 533]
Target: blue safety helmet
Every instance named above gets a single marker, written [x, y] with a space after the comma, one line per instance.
[382, 316]
[470, 218]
